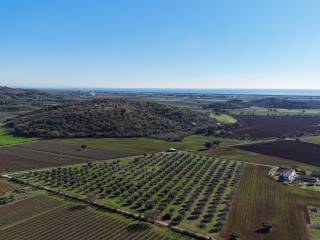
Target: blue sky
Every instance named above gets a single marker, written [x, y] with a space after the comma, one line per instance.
[160, 43]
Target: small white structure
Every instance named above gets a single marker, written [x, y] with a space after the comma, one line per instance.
[288, 175]
[171, 150]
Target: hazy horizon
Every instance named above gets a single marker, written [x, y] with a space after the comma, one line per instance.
[160, 88]
[206, 91]
[160, 44]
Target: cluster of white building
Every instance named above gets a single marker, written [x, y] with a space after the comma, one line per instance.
[290, 175]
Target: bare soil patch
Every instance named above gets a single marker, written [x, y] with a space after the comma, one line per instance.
[259, 199]
[17, 159]
[294, 150]
[57, 147]
[273, 126]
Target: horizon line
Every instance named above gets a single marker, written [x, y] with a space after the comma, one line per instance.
[155, 88]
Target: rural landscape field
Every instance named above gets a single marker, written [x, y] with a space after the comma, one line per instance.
[202, 181]
[159, 120]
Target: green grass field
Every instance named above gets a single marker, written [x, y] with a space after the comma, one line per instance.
[7, 139]
[223, 118]
[278, 111]
[149, 145]
[311, 139]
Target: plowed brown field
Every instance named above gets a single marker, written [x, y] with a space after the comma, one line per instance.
[261, 199]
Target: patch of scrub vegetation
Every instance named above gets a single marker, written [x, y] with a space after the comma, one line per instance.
[223, 118]
[7, 139]
[194, 192]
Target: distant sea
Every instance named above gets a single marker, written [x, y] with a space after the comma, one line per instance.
[273, 92]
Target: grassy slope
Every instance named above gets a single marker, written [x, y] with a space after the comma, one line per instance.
[7, 139]
[147, 145]
[223, 118]
[261, 199]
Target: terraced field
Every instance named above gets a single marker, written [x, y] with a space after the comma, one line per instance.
[191, 191]
[45, 218]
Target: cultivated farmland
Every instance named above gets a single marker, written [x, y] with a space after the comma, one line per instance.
[27, 208]
[274, 126]
[233, 153]
[191, 191]
[302, 152]
[45, 218]
[138, 146]
[259, 199]
[57, 147]
[16, 159]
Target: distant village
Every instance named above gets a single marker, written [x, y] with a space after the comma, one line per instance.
[290, 175]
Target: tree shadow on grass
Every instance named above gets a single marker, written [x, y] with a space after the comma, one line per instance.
[77, 208]
[138, 227]
[263, 231]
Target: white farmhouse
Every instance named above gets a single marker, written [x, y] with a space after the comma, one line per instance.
[288, 175]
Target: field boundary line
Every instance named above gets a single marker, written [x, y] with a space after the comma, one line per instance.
[249, 143]
[71, 156]
[52, 153]
[20, 143]
[135, 216]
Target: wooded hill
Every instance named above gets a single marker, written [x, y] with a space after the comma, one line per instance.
[273, 102]
[110, 118]
[17, 99]
[269, 102]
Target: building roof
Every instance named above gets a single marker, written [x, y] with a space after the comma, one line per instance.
[288, 173]
[309, 178]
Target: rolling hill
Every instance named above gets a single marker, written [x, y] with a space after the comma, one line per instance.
[110, 118]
